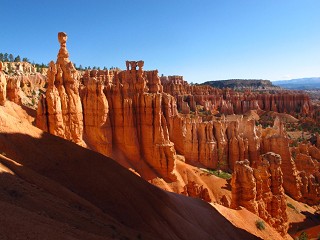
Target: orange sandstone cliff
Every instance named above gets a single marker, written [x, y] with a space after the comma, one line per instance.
[158, 127]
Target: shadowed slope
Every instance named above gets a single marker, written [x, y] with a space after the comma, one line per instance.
[65, 182]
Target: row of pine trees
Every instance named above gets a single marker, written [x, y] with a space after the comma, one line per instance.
[6, 57]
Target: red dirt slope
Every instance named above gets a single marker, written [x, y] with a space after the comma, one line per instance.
[51, 188]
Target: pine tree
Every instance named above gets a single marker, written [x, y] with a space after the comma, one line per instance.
[11, 58]
[17, 59]
[1, 57]
[80, 67]
[25, 60]
[5, 57]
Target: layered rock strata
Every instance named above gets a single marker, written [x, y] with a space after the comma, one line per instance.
[227, 101]
[122, 112]
[60, 112]
[260, 190]
[129, 116]
[307, 160]
[3, 87]
[13, 89]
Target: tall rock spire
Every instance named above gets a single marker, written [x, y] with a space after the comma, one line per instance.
[62, 103]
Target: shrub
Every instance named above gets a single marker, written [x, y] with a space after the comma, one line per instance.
[260, 225]
[303, 236]
[291, 206]
[220, 174]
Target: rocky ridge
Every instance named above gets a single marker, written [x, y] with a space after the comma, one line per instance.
[199, 98]
[241, 84]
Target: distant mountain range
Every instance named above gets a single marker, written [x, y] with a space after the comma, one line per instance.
[299, 84]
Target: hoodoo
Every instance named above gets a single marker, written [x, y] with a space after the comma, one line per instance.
[161, 126]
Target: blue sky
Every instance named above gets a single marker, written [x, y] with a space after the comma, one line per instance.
[202, 40]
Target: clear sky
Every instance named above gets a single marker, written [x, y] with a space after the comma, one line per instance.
[202, 40]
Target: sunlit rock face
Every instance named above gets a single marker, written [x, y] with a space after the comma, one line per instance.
[260, 190]
[228, 101]
[143, 121]
[119, 114]
[3, 87]
[60, 112]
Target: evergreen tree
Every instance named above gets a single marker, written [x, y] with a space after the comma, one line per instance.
[5, 57]
[1, 57]
[25, 60]
[105, 68]
[80, 67]
[11, 58]
[98, 68]
[94, 68]
[17, 59]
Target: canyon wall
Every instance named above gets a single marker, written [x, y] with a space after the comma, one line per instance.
[3, 87]
[228, 101]
[259, 189]
[118, 113]
[127, 115]
[144, 122]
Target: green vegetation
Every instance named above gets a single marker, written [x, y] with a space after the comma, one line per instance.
[291, 206]
[303, 236]
[219, 173]
[260, 225]
[5, 57]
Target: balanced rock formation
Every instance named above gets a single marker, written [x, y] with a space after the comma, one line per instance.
[260, 190]
[122, 111]
[62, 105]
